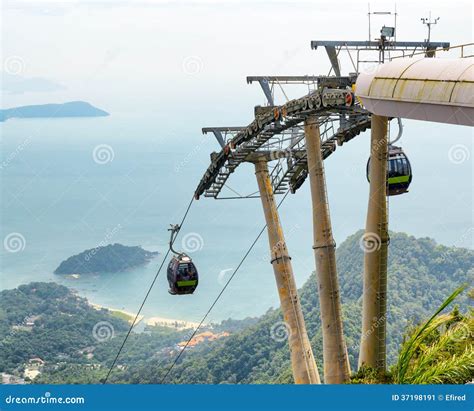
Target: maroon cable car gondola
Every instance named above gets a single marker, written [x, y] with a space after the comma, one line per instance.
[182, 273]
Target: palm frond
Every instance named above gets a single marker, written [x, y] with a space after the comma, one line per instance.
[455, 369]
[455, 339]
[413, 344]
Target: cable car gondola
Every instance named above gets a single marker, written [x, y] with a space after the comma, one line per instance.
[182, 273]
[399, 173]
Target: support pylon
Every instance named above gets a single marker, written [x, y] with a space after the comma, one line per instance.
[373, 346]
[336, 361]
[303, 363]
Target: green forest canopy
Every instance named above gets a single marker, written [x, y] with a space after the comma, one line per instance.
[421, 274]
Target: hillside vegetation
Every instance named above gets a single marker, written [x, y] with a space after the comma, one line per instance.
[422, 274]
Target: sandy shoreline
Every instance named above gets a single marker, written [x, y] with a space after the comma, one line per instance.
[151, 321]
[126, 315]
[171, 322]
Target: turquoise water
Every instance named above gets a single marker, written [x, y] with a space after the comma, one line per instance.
[62, 202]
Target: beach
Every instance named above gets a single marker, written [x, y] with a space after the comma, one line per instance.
[124, 315]
[154, 321]
[171, 322]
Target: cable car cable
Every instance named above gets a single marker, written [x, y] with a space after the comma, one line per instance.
[148, 293]
[220, 294]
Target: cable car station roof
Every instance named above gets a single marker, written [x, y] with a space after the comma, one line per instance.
[434, 89]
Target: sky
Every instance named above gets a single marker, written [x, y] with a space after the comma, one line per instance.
[168, 57]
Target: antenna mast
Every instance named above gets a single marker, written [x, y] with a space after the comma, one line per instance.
[428, 22]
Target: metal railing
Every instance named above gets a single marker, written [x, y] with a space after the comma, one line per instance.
[460, 47]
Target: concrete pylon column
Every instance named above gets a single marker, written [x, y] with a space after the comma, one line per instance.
[336, 362]
[303, 363]
[373, 346]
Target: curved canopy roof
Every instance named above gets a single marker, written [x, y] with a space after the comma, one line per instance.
[430, 89]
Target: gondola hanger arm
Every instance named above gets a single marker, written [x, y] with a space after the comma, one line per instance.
[174, 232]
[400, 131]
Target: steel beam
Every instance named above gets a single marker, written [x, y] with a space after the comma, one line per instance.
[332, 54]
[286, 79]
[375, 44]
[327, 81]
[222, 129]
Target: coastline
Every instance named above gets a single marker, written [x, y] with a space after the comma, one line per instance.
[154, 321]
[171, 323]
[125, 315]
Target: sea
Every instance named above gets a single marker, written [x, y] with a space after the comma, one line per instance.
[73, 184]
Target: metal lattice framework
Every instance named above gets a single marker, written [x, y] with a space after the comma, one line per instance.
[361, 51]
[276, 134]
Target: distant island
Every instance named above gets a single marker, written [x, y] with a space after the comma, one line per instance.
[70, 109]
[108, 259]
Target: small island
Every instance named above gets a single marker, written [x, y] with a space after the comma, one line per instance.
[107, 259]
[70, 109]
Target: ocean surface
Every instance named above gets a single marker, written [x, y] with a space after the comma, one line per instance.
[72, 184]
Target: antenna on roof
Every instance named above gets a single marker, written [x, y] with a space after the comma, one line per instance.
[428, 22]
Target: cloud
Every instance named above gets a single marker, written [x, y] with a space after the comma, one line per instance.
[17, 84]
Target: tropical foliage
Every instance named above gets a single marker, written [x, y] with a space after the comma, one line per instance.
[420, 272]
[254, 356]
[438, 351]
